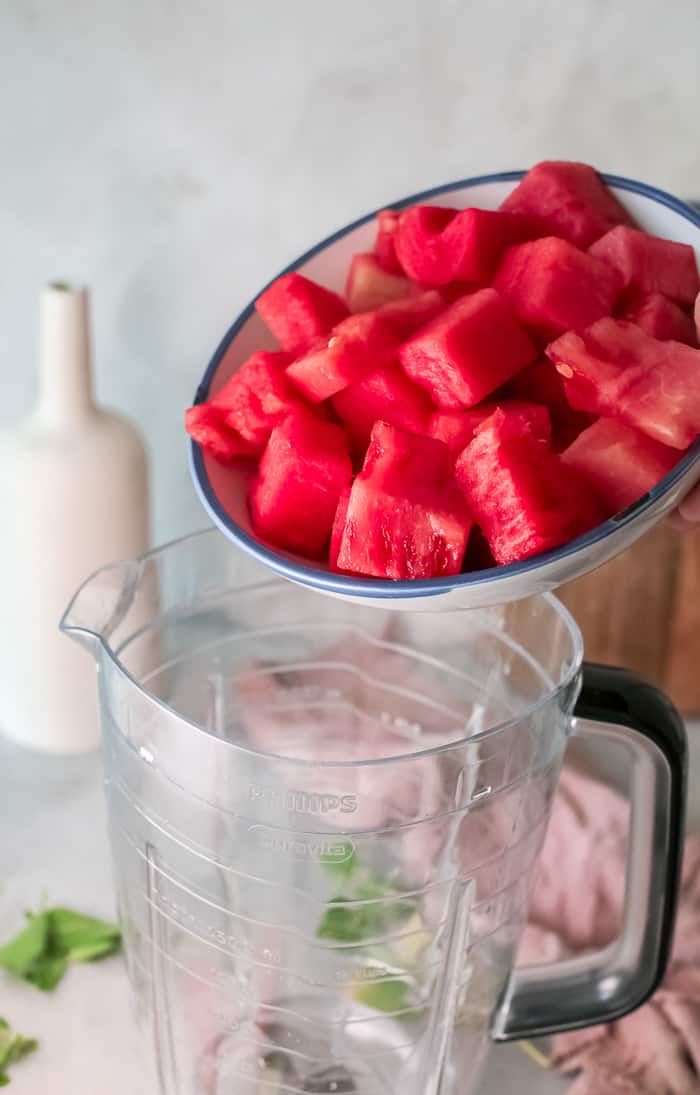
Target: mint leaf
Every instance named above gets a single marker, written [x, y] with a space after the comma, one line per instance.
[53, 938]
[390, 995]
[377, 912]
[13, 1047]
[82, 938]
[350, 923]
[343, 924]
[20, 953]
[341, 866]
[47, 971]
[91, 952]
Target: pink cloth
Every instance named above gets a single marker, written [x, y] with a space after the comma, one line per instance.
[578, 891]
[576, 905]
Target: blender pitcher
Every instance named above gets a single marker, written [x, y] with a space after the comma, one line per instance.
[325, 818]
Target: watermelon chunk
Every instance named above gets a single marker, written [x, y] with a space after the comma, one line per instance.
[384, 244]
[650, 264]
[456, 428]
[620, 463]
[413, 312]
[405, 517]
[358, 345]
[368, 285]
[385, 394]
[522, 496]
[298, 311]
[303, 472]
[541, 383]
[615, 369]
[661, 318]
[553, 287]
[437, 245]
[338, 528]
[258, 397]
[206, 425]
[570, 199]
[468, 351]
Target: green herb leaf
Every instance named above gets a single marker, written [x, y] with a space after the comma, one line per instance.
[13, 1047]
[92, 952]
[47, 971]
[357, 923]
[344, 924]
[82, 938]
[390, 995]
[53, 938]
[341, 866]
[369, 907]
[20, 953]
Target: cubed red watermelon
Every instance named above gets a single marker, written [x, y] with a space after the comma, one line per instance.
[413, 312]
[206, 425]
[436, 246]
[661, 318]
[302, 474]
[456, 428]
[405, 517]
[468, 351]
[298, 311]
[553, 287]
[386, 394]
[384, 244]
[357, 346]
[570, 199]
[617, 370]
[620, 463]
[541, 383]
[258, 397]
[338, 528]
[437, 382]
[650, 264]
[521, 495]
[369, 285]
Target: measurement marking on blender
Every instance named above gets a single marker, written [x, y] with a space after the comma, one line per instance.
[202, 899]
[292, 974]
[249, 1030]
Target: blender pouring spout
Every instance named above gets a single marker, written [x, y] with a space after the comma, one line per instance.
[101, 604]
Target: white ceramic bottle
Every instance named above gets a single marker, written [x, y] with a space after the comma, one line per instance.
[73, 496]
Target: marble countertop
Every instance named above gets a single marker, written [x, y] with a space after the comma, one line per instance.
[53, 846]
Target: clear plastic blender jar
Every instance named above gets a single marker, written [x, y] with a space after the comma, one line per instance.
[325, 818]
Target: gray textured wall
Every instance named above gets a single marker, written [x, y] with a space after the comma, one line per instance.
[174, 155]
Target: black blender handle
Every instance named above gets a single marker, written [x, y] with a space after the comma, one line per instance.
[620, 706]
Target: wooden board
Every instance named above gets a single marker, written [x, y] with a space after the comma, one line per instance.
[642, 610]
[682, 674]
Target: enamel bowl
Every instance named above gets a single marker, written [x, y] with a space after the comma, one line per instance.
[223, 490]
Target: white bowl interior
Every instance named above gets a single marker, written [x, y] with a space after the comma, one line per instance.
[329, 267]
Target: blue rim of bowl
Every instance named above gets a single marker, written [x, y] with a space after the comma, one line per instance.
[423, 587]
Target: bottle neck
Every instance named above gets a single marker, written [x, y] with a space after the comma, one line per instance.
[65, 365]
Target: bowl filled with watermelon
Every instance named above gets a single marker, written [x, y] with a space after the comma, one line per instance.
[475, 395]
